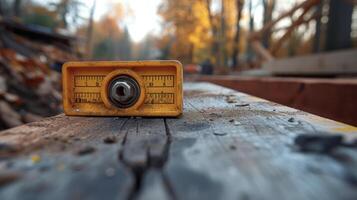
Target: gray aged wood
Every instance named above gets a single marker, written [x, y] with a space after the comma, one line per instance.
[154, 186]
[227, 145]
[225, 151]
[66, 158]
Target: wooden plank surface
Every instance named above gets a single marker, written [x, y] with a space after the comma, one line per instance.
[227, 145]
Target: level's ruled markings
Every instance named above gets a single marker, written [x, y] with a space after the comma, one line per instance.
[159, 80]
[88, 80]
[87, 97]
[160, 98]
[155, 81]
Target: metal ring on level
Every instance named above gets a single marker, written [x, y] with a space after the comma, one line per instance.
[121, 104]
[123, 91]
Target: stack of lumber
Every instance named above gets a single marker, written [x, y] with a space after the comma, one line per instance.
[30, 81]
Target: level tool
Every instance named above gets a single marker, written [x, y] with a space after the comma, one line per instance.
[117, 88]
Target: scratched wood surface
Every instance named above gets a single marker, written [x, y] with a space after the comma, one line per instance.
[227, 145]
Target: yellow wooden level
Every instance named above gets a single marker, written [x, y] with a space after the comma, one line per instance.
[117, 88]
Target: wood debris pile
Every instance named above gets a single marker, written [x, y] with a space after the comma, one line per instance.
[30, 80]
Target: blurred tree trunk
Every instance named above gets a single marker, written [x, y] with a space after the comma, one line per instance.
[1, 8]
[214, 29]
[17, 8]
[90, 31]
[269, 6]
[191, 53]
[339, 25]
[251, 30]
[317, 38]
[222, 49]
[235, 54]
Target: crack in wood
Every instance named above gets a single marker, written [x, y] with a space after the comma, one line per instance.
[154, 147]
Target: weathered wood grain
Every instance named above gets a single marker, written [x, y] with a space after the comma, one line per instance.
[227, 145]
[230, 150]
[67, 158]
[59, 132]
[66, 177]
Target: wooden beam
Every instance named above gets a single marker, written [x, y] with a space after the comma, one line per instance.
[288, 13]
[223, 140]
[323, 64]
[331, 98]
[300, 20]
[258, 47]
